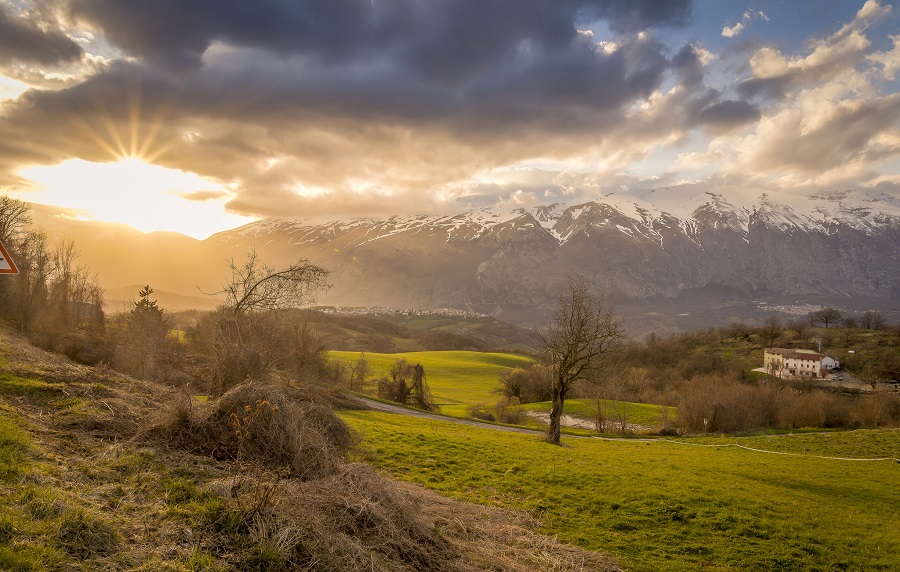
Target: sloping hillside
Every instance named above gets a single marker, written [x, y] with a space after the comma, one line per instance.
[101, 471]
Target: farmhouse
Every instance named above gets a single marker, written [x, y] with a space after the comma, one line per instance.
[789, 364]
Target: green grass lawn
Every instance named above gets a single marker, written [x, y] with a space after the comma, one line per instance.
[457, 378]
[664, 505]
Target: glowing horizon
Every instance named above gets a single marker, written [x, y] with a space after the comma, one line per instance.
[143, 196]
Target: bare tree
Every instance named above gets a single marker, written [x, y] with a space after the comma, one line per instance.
[738, 329]
[826, 316]
[872, 320]
[249, 336]
[799, 326]
[771, 330]
[582, 332]
[407, 385]
[15, 217]
[254, 286]
[359, 372]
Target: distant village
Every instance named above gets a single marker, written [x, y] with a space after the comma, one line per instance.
[386, 311]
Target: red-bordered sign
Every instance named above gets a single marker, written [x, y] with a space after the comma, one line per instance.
[7, 266]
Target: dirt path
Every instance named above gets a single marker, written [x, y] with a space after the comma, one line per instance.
[379, 406]
[582, 423]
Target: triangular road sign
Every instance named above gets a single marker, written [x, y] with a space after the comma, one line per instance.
[7, 266]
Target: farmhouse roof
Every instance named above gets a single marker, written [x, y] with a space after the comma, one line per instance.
[796, 354]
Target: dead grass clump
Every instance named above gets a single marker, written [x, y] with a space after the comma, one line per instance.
[356, 520]
[264, 423]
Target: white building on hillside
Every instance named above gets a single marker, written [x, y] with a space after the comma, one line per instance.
[790, 364]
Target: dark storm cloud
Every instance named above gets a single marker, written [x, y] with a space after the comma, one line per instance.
[24, 40]
[444, 38]
[687, 66]
[725, 115]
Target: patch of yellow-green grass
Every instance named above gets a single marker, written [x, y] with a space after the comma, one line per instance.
[36, 389]
[457, 378]
[13, 446]
[662, 505]
[91, 512]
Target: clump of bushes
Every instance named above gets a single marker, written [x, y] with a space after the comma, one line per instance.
[529, 385]
[324, 512]
[725, 405]
[407, 385]
[481, 411]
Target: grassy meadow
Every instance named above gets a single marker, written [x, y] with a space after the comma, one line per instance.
[668, 505]
[457, 379]
[460, 379]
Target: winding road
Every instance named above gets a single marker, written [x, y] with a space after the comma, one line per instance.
[386, 407]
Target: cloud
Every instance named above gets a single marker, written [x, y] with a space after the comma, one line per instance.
[204, 195]
[365, 107]
[730, 32]
[833, 126]
[746, 18]
[889, 60]
[370, 102]
[41, 42]
[774, 74]
[177, 33]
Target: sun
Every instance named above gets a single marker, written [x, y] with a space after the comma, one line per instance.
[123, 181]
[130, 191]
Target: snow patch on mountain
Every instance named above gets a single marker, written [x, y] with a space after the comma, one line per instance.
[649, 215]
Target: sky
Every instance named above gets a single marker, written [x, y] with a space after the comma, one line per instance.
[202, 115]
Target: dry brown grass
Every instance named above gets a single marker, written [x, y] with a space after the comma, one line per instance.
[359, 521]
[275, 426]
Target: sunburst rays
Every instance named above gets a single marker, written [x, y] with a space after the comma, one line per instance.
[129, 129]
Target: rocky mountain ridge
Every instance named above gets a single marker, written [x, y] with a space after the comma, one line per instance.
[830, 246]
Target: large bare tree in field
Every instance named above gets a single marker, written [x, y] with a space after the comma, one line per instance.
[583, 331]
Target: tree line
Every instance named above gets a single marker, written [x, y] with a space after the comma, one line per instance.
[59, 306]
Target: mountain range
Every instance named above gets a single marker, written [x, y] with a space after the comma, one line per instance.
[673, 258]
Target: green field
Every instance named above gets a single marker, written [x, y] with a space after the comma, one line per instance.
[457, 379]
[665, 505]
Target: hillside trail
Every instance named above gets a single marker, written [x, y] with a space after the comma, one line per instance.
[400, 410]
